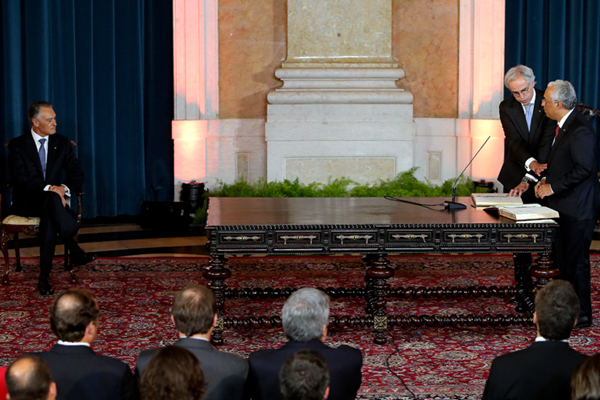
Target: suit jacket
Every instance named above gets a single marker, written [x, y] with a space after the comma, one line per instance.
[572, 170]
[344, 365]
[225, 373]
[520, 144]
[81, 374]
[541, 371]
[26, 174]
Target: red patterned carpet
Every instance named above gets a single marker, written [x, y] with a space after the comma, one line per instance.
[434, 363]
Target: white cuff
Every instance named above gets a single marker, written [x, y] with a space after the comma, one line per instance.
[528, 162]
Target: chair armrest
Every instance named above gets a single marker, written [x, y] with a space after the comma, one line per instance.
[79, 193]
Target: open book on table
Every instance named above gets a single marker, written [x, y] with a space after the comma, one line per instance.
[494, 200]
[527, 212]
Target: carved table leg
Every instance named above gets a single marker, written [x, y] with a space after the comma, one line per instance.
[217, 273]
[543, 271]
[377, 275]
[4, 244]
[524, 283]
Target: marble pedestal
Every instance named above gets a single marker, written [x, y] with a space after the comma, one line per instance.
[329, 123]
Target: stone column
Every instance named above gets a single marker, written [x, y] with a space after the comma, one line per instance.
[339, 112]
[196, 82]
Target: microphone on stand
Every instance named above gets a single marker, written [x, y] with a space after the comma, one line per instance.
[453, 205]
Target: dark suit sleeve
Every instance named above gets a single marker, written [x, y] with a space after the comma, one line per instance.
[548, 134]
[129, 387]
[512, 139]
[75, 177]
[18, 170]
[582, 150]
[491, 391]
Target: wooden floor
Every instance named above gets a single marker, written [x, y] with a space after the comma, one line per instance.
[127, 240]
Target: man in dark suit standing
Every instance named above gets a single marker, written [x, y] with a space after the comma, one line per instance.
[543, 370]
[194, 314]
[305, 317]
[36, 163]
[527, 136]
[80, 373]
[571, 187]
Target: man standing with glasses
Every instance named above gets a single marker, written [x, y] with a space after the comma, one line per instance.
[528, 134]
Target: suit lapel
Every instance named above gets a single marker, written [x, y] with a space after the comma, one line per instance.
[519, 116]
[32, 152]
[562, 134]
[537, 114]
[52, 154]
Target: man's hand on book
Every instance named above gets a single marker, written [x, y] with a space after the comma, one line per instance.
[543, 189]
[519, 189]
[537, 167]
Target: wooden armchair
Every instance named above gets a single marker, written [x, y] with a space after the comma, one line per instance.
[12, 225]
[587, 112]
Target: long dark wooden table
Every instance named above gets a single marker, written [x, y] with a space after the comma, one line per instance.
[374, 227]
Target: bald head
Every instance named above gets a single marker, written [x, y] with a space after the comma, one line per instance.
[194, 310]
[71, 313]
[29, 378]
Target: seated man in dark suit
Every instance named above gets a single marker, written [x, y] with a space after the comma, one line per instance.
[543, 370]
[79, 373]
[305, 316]
[305, 376]
[194, 314]
[36, 163]
[29, 378]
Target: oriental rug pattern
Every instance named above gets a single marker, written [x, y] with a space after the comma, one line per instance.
[135, 297]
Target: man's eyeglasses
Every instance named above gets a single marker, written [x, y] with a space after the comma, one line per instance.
[523, 92]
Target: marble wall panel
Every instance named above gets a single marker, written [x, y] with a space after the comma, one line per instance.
[425, 44]
[252, 45]
[339, 32]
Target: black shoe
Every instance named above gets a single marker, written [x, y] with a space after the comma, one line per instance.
[81, 258]
[44, 286]
[583, 322]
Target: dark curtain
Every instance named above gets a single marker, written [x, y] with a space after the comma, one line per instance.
[558, 39]
[107, 67]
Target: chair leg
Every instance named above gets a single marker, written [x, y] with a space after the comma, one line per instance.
[4, 245]
[67, 258]
[17, 251]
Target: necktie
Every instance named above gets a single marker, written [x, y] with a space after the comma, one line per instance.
[557, 130]
[528, 113]
[43, 156]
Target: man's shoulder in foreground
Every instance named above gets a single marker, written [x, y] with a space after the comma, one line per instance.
[80, 373]
[540, 371]
[291, 347]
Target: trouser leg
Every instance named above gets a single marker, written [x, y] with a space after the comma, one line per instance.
[55, 219]
[573, 257]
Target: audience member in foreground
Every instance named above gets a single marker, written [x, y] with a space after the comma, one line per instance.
[304, 376]
[29, 378]
[194, 314]
[174, 373]
[305, 316]
[79, 373]
[585, 383]
[543, 370]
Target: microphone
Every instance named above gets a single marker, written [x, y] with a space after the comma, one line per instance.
[453, 205]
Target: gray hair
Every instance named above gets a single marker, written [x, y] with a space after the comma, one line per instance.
[563, 92]
[305, 314]
[519, 70]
